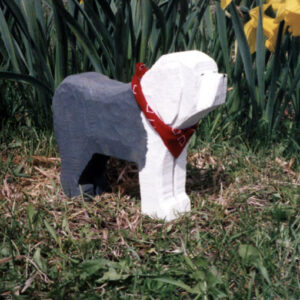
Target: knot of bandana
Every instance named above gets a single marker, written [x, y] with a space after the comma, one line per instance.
[173, 138]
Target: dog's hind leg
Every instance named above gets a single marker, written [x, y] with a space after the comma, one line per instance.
[80, 165]
[70, 174]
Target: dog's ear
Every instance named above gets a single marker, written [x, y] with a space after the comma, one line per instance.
[162, 87]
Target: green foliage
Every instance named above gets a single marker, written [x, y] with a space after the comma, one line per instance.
[265, 86]
[43, 41]
[26, 32]
[46, 40]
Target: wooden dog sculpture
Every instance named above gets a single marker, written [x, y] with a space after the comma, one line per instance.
[96, 117]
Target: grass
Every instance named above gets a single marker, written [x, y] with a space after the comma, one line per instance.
[240, 241]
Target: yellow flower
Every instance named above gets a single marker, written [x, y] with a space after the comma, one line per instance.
[277, 4]
[250, 31]
[288, 11]
[270, 29]
[291, 15]
[225, 3]
[81, 2]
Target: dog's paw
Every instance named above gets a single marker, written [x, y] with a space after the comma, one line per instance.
[170, 209]
[184, 202]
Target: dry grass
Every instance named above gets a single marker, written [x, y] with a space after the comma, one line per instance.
[237, 199]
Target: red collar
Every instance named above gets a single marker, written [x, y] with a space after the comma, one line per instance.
[174, 139]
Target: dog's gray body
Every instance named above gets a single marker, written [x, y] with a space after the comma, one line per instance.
[95, 117]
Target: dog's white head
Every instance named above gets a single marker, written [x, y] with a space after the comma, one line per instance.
[183, 87]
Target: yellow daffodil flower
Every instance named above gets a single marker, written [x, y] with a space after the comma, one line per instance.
[288, 11]
[277, 5]
[225, 3]
[270, 29]
[250, 32]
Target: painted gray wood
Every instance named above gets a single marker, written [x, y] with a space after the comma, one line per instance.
[95, 117]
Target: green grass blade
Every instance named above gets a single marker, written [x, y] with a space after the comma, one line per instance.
[132, 51]
[170, 21]
[93, 18]
[81, 36]
[61, 49]
[9, 42]
[98, 33]
[193, 32]
[276, 67]
[52, 232]
[161, 22]
[36, 54]
[15, 10]
[107, 10]
[177, 283]
[295, 81]
[285, 93]
[41, 27]
[126, 44]
[245, 54]
[184, 10]
[146, 11]
[119, 49]
[28, 8]
[41, 18]
[221, 25]
[260, 58]
[209, 23]
[193, 38]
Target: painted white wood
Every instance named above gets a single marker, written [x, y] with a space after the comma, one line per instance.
[156, 177]
[181, 88]
[176, 85]
[179, 180]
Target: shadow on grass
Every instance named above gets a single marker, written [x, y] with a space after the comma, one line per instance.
[206, 181]
[122, 177]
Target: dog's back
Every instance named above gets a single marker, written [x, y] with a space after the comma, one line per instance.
[100, 110]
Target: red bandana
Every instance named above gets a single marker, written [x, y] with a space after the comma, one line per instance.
[174, 139]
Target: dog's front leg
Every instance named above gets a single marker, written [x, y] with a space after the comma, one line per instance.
[156, 178]
[156, 184]
[182, 199]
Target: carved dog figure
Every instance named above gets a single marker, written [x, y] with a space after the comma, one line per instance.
[96, 117]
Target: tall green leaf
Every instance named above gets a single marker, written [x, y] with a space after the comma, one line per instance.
[245, 54]
[82, 38]
[146, 13]
[61, 55]
[260, 58]
[276, 67]
[221, 25]
[9, 42]
[26, 78]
